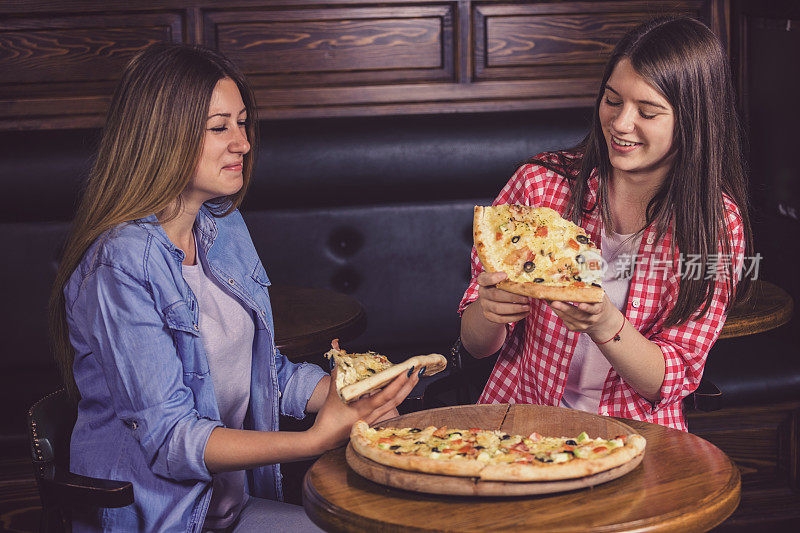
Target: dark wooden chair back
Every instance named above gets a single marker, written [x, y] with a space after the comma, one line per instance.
[50, 423]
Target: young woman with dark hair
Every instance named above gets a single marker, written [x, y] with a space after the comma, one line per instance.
[659, 181]
[161, 319]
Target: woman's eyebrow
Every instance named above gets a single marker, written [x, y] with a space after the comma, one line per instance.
[647, 102]
[226, 115]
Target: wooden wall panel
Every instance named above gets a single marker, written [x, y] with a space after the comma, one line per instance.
[546, 40]
[59, 61]
[316, 47]
[57, 66]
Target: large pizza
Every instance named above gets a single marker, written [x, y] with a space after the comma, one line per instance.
[493, 455]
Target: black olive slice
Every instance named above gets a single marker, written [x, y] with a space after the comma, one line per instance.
[504, 437]
[576, 277]
[370, 370]
[394, 447]
[580, 259]
[414, 430]
[538, 280]
[583, 239]
[595, 284]
[529, 266]
[571, 442]
[515, 239]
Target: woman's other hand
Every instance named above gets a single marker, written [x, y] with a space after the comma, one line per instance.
[497, 305]
[336, 418]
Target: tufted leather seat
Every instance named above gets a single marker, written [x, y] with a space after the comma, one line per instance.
[407, 264]
[375, 207]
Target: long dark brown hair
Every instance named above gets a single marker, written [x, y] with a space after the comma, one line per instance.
[148, 152]
[686, 63]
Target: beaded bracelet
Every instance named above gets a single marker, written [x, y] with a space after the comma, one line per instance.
[616, 337]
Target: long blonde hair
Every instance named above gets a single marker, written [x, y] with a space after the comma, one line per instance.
[149, 150]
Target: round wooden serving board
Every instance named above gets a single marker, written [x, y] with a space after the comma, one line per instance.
[550, 421]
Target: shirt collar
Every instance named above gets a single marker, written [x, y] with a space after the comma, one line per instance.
[204, 223]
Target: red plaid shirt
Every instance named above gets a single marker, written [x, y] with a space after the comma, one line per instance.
[533, 363]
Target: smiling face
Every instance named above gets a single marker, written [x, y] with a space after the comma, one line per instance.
[219, 170]
[638, 124]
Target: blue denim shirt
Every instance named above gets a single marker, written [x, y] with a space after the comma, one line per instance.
[147, 399]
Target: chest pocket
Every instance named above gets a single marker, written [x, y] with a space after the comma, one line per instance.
[186, 336]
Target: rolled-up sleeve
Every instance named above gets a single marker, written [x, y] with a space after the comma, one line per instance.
[297, 382]
[685, 349]
[144, 373]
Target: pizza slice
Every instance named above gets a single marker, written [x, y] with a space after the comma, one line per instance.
[360, 373]
[544, 255]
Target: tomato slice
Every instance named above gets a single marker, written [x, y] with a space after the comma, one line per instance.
[541, 231]
[574, 244]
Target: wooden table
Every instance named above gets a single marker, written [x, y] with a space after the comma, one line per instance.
[684, 483]
[770, 307]
[306, 319]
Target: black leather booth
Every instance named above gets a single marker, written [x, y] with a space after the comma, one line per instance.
[379, 208]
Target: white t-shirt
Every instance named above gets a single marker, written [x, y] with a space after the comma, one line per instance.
[227, 331]
[589, 368]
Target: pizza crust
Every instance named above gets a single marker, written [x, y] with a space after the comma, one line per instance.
[554, 292]
[433, 364]
[543, 291]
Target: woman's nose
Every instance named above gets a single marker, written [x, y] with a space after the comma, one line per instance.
[624, 121]
[239, 143]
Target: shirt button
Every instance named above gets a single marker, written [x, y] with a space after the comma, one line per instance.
[263, 313]
[650, 239]
[279, 394]
[231, 281]
[635, 303]
[196, 327]
[134, 426]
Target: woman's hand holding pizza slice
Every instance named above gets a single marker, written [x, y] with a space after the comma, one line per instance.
[336, 418]
[498, 305]
[599, 320]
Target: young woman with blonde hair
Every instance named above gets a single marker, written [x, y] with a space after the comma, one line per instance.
[161, 318]
[659, 182]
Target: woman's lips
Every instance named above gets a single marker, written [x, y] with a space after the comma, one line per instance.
[623, 149]
[234, 168]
